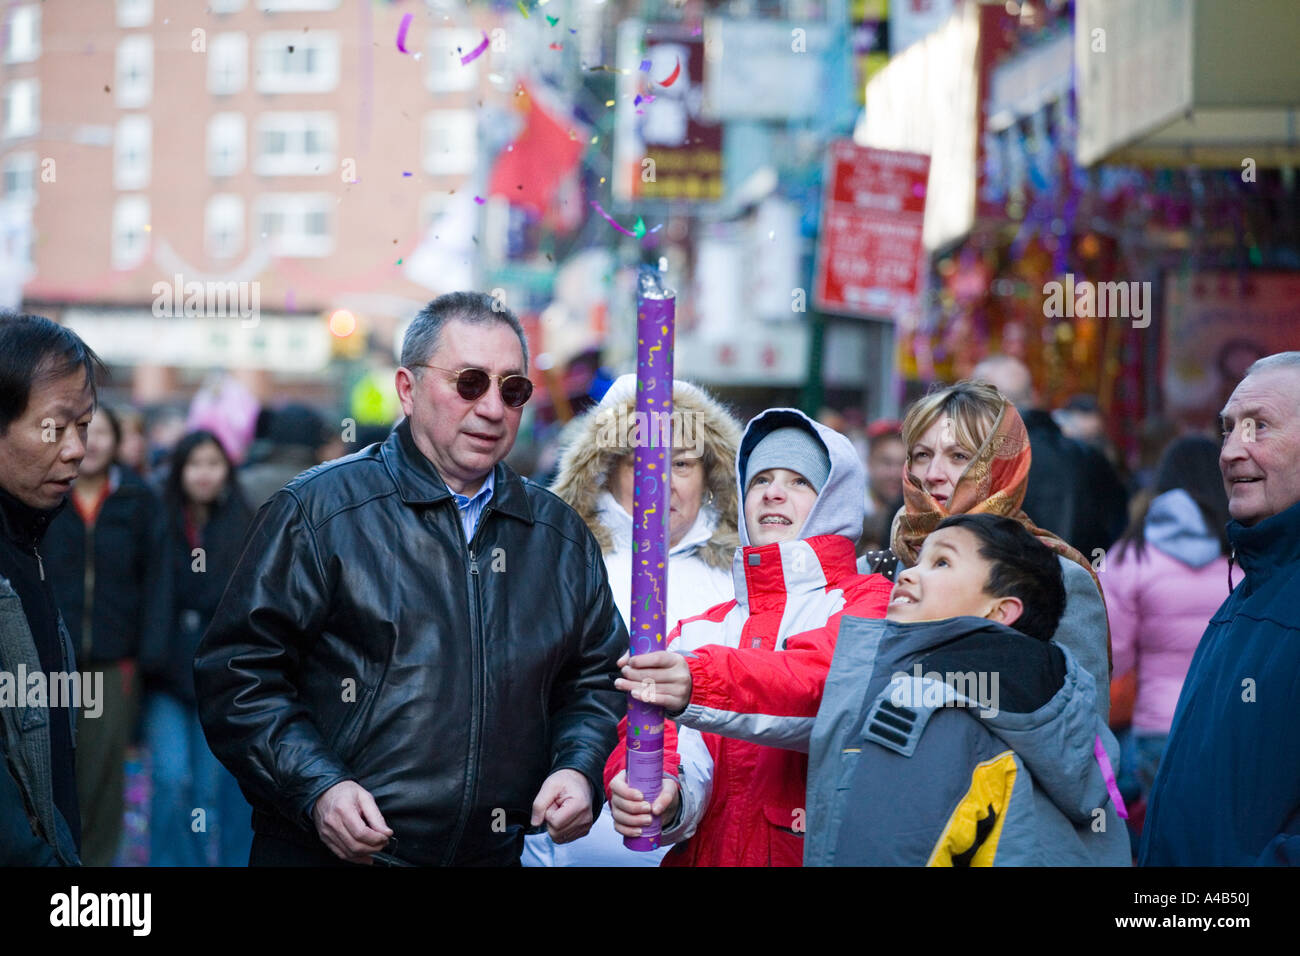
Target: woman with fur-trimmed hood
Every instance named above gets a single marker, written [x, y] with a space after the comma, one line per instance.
[595, 479]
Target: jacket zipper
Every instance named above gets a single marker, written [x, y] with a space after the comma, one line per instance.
[39, 563]
[476, 685]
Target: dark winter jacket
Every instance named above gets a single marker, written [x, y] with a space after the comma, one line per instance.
[363, 639]
[39, 819]
[194, 584]
[109, 578]
[1228, 789]
[1073, 491]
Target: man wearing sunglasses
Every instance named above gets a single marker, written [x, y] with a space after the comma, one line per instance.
[414, 661]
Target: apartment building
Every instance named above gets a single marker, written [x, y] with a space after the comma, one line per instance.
[169, 169]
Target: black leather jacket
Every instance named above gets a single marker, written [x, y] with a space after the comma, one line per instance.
[362, 639]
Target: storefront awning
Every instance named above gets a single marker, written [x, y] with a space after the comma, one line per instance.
[1182, 82]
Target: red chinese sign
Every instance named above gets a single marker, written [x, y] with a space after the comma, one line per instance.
[869, 251]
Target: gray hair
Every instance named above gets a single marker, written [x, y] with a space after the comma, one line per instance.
[475, 308]
[1277, 360]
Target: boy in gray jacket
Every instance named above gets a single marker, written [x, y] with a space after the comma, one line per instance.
[954, 732]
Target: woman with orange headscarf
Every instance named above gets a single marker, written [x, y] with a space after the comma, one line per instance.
[968, 453]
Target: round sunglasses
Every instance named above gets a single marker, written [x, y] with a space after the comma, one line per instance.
[472, 383]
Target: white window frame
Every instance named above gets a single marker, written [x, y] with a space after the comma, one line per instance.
[294, 241]
[133, 152]
[445, 72]
[295, 160]
[134, 50]
[273, 56]
[130, 238]
[134, 13]
[227, 63]
[227, 144]
[22, 166]
[223, 210]
[32, 51]
[27, 89]
[449, 142]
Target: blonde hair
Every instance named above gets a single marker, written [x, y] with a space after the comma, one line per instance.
[973, 407]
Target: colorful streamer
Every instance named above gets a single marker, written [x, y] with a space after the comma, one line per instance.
[610, 219]
[475, 53]
[401, 32]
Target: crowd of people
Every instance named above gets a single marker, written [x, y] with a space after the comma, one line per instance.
[963, 638]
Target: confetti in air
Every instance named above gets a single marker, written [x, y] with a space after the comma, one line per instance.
[552, 20]
[523, 9]
[610, 219]
[401, 32]
[672, 77]
[480, 200]
[475, 53]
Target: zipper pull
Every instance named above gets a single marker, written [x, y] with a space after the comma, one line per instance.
[473, 564]
[39, 563]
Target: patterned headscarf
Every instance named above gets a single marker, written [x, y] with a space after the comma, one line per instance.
[993, 483]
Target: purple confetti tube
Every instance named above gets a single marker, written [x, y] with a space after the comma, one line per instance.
[653, 442]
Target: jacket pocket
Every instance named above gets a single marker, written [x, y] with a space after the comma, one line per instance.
[785, 828]
[345, 737]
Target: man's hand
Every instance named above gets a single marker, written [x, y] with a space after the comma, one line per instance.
[660, 677]
[348, 821]
[564, 802]
[629, 807]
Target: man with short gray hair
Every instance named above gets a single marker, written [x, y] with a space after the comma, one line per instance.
[1228, 789]
[414, 660]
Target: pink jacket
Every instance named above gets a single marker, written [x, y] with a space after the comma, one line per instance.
[1159, 605]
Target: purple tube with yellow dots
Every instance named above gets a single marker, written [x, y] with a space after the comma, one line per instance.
[652, 472]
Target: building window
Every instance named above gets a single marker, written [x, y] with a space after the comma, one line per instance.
[227, 63]
[225, 144]
[295, 144]
[132, 147]
[23, 34]
[22, 108]
[225, 6]
[20, 176]
[446, 73]
[134, 13]
[223, 226]
[296, 62]
[450, 142]
[296, 225]
[134, 86]
[130, 231]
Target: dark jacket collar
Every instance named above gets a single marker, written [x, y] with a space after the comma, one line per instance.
[418, 482]
[1264, 547]
[23, 524]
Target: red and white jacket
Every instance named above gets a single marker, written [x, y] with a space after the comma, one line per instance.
[758, 664]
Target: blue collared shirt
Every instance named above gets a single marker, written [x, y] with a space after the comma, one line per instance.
[471, 509]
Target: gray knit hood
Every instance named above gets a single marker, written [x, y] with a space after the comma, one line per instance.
[840, 505]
